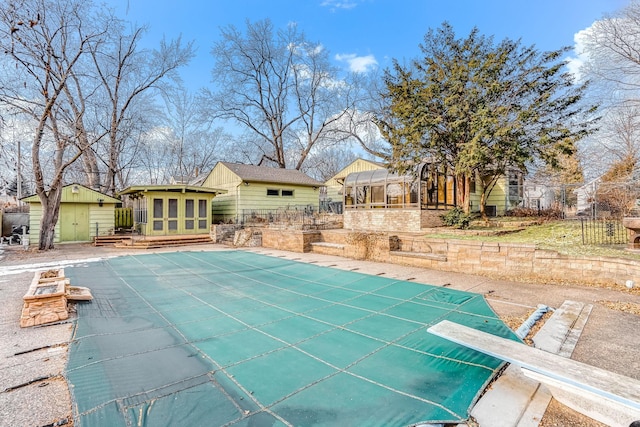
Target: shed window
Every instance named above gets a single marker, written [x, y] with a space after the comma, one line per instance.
[202, 208]
[173, 208]
[157, 208]
[287, 193]
[189, 208]
[272, 192]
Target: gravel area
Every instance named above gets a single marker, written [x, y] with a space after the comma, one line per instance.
[33, 390]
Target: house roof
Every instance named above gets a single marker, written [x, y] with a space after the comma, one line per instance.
[90, 194]
[342, 174]
[187, 179]
[178, 188]
[274, 175]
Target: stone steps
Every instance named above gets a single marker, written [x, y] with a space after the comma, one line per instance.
[421, 255]
[327, 248]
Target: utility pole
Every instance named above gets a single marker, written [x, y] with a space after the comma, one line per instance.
[19, 177]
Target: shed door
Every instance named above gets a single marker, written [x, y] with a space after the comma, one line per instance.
[74, 222]
[165, 216]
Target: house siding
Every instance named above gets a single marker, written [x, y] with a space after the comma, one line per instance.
[498, 196]
[224, 205]
[253, 195]
[101, 220]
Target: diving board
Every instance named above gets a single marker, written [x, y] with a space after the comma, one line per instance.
[605, 396]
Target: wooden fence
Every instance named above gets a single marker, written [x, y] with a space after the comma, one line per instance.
[123, 218]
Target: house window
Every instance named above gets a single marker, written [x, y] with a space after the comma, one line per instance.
[272, 192]
[394, 195]
[287, 193]
[348, 198]
[377, 194]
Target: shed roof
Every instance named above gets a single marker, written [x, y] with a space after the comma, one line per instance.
[268, 174]
[176, 188]
[89, 194]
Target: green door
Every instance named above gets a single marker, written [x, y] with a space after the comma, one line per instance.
[165, 217]
[74, 222]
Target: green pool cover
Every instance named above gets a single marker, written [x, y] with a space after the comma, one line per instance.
[237, 338]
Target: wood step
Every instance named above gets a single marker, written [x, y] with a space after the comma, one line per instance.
[164, 241]
[110, 240]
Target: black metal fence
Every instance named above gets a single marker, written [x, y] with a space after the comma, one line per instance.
[603, 232]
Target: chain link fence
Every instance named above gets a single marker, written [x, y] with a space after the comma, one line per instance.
[599, 206]
[595, 200]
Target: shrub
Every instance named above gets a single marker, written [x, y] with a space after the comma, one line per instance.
[457, 218]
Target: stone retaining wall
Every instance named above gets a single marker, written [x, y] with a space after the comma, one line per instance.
[503, 260]
[220, 232]
[401, 220]
[289, 240]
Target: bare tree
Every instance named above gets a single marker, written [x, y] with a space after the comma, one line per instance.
[195, 146]
[612, 48]
[128, 73]
[612, 52]
[328, 162]
[43, 43]
[279, 88]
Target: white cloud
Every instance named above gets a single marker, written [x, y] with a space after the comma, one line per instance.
[358, 64]
[581, 55]
[333, 5]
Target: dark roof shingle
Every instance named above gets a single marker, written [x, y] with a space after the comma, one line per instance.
[268, 174]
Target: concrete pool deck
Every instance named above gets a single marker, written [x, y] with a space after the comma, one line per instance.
[607, 341]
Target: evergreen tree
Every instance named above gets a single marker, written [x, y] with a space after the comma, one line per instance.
[482, 108]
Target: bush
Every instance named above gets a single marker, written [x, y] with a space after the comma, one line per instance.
[457, 218]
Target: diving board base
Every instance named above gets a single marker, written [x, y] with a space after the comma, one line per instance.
[592, 405]
[580, 385]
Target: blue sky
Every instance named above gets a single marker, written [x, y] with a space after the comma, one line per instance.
[363, 33]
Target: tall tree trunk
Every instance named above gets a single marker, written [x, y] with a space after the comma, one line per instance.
[50, 211]
[91, 170]
[483, 204]
[463, 199]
